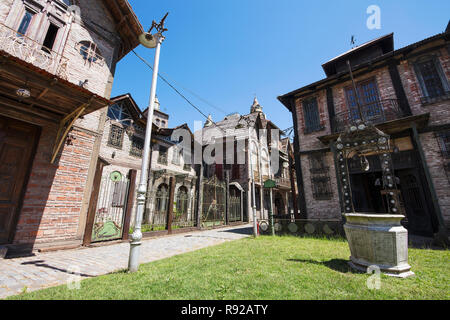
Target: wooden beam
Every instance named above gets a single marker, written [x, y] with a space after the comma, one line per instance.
[64, 127]
[44, 92]
[25, 108]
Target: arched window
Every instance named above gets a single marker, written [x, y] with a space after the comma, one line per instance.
[120, 114]
[162, 198]
[89, 51]
[182, 201]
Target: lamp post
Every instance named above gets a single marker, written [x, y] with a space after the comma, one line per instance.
[150, 41]
[255, 225]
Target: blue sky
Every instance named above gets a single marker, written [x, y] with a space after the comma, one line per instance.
[229, 50]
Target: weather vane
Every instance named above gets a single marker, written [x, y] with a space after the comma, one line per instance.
[353, 41]
[159, 26]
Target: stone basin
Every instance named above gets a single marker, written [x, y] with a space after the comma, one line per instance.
[378, 240]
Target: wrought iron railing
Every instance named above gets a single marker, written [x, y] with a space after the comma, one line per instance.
[31, 51]
[372, 113]
[163, 159]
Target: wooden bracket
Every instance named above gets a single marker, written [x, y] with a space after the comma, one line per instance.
[65, 125]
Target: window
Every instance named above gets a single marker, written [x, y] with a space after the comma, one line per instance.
[163, 124]
[137, 147]
[320, 179]
[187, 167]
[176, 155]
[236, 172]
[444, 143]
[25, 23]
[116, 136]
[89, 51]
[368, 98]
[311, 116]
[120, 114]
[182, 201]
[431, 78]
[162, 157]
[50, 38]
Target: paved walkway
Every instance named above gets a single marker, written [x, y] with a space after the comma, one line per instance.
[54, 268]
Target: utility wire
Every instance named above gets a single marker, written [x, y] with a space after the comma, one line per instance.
[170, 85]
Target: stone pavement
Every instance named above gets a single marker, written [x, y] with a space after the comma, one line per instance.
[55, 268]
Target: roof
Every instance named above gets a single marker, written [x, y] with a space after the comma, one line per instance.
[386, 41]
[127, 24]
[285, 99]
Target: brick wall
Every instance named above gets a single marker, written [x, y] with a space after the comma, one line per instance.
[440, 111]
[321, 209]
[435, 163]
[53, 199]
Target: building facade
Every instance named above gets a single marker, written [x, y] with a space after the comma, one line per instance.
[404, 93]
[58, 61]
[113, 202]
[251, 137]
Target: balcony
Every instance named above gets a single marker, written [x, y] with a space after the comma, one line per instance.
[283, 182]
[372, 113]
[28, 50]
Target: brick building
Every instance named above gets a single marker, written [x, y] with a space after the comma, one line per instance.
[57, 65]
[405, 93]
[113, 200]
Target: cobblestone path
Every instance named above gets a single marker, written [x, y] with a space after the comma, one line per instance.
[55, 268]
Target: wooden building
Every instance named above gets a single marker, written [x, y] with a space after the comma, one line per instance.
[403, 92]
[57, 65]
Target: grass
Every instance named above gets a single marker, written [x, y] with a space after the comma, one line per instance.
[276, 268]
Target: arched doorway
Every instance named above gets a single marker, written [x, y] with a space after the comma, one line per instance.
[159, 217]
[181, 217]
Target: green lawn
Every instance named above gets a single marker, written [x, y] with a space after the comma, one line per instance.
[263, 268]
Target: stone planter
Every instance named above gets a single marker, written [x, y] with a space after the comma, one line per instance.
[378, 240]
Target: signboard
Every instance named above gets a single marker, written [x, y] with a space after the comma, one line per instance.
[270, 184]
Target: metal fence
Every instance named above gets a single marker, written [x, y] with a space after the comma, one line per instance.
[213, 209]
[111, 207]
[304, 227]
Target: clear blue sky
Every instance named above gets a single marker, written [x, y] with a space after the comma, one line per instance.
[226, 51]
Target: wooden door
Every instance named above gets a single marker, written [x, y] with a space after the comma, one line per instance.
[418, 215]
[17, 146]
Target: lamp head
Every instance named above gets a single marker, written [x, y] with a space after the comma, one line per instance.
[148, 40]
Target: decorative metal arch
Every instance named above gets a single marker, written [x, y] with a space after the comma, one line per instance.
[361, 140]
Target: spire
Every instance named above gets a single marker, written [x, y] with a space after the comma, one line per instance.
[208, 122]
[256, 107]
[157, 104]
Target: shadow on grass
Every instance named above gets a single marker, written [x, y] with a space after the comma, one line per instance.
[339, 265]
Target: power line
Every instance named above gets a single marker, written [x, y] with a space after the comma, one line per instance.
[175, 89]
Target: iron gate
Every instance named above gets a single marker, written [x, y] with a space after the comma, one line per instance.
[213, 208]
[111, 207]
[182, 213]
[156, 215]
[235, 209]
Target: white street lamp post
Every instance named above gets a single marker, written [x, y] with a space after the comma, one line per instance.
[136, 237]
[255, 223]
